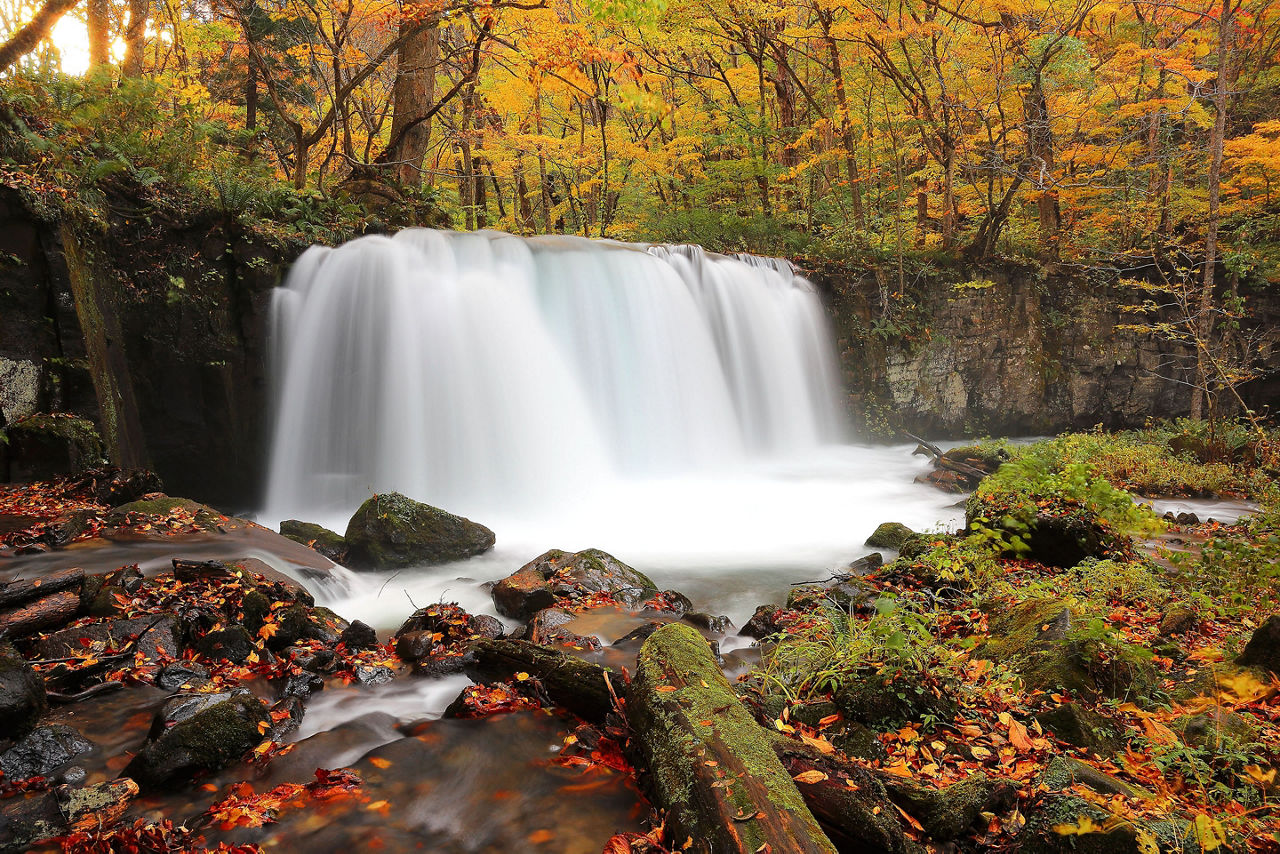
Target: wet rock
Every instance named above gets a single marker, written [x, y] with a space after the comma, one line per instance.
[677, 602]
[286, 717]
[865, 564]
[1075, 725]
[155, 506]
[373, 674]
[392, 531]
[715, 624]
[98, 595]
[232, 644]
[1055, 811]
[302, 685]
[74, 776]
[845, 595]
[522, 594]
[43, 751]
[256, 605]
[321, 661]
[41, 447]
[208, 741]
[548, 629]
[415, 646]
[159, 637]
[1177, 621]
[328, 543]
[184, 706]
[763, 622]
[484, 626]
[573, 574]
[66, 528]
[114, 486]
[182, 674]
[22, 695]
[637, 636]
[439, 666]
[889, 535]
[359, 635]
[28, 819]
[1263, 648]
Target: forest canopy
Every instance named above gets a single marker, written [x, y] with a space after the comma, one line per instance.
[1080, 130]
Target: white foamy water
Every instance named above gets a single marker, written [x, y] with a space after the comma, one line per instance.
[676, 408]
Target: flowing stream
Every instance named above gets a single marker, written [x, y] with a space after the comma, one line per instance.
[676, 408]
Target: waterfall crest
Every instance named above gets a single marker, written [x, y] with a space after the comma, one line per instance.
[481, 370]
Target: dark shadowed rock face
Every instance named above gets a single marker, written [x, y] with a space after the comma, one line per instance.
[392, 531]
[208, 740]
[22, 695]
[1263, 649]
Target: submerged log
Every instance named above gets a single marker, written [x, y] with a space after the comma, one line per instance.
[711, 766]
[26, 589]
[52, 611]
[579, 686]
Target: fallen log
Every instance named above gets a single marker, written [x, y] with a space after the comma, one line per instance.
[52, 611]
[710, 765]
[571, 683]
[26, 589]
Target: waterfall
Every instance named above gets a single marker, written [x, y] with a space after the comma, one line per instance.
[481, 370]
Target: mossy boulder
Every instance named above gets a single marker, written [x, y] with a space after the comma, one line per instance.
[889, 535]
[888, 697]
[1063, 772]
[949, 812]
[1263, 648]
[1053, 650]
[572, 575]
[1068, 824]
[1216, 730]
[392, 531]
[207, 741]
[1074, 724]
[41, 447]
[161, 506]
[316, 537]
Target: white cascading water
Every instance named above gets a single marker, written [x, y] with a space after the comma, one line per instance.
[481, 369]
[677, 408]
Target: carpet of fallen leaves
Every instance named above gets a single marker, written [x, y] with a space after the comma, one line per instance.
[996, 731]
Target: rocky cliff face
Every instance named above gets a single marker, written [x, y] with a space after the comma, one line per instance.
[1005, 351]
[153, 328]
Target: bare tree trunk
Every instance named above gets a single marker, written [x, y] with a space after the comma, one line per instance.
[135, 37]
[98, 22]
[1035, 111]
[1204, 315]
[846, 124]
[413, 94]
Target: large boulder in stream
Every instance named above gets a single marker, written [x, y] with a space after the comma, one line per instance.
[199, 734]
[558, 574]
[392, 531]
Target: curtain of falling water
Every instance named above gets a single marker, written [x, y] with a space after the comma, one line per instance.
[482, 370]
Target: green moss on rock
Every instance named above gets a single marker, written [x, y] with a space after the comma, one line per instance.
[392, 531]
[889, 535]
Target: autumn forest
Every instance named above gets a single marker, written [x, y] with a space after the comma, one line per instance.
[1062, 129]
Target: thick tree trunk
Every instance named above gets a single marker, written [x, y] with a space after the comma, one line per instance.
[413, 95]
[135, 36]
[98, 22]
[710, 765]
[25, 40]
[1035, 110]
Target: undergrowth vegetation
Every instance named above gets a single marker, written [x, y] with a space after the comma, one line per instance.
[993, 663]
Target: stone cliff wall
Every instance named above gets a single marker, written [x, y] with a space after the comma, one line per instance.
[154, 326]
[151, 327]
[1008, 350]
